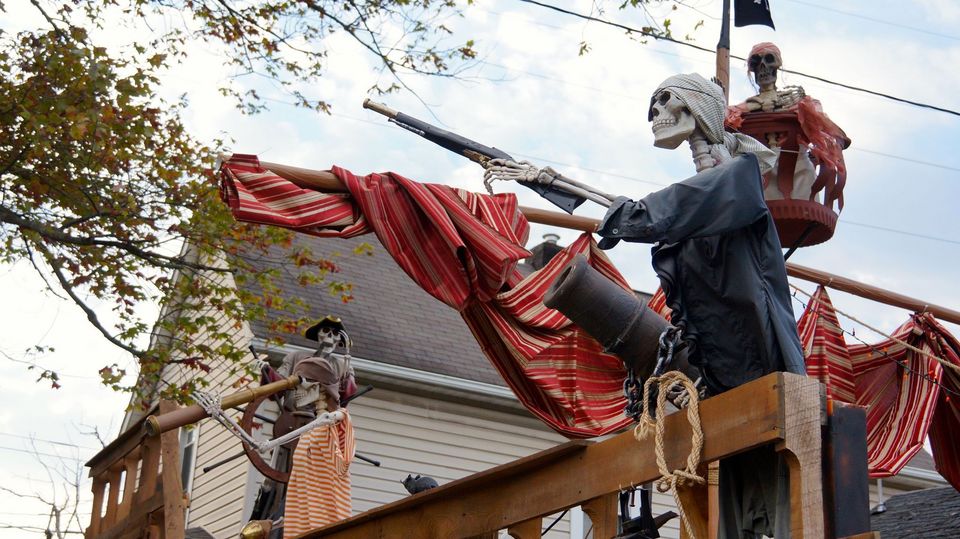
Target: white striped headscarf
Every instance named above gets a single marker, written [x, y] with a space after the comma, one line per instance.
[706, 102]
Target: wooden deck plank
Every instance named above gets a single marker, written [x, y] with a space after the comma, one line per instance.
[740, 419]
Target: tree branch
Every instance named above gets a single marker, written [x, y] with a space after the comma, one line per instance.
[91, 315]
[59, 236]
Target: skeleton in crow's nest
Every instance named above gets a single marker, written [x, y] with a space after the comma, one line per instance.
[821, 140]
[720, 264]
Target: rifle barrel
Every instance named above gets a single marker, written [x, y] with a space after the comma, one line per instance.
[157, 424]
[380, 108]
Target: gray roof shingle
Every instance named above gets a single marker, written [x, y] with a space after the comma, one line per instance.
[931, 513]
[390, 320]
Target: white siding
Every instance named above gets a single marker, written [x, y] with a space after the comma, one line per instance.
[446, 441]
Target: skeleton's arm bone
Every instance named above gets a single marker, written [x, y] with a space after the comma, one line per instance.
[575, 189]
[326, 418]
[212, 406]
[507, 170]
[581, 189]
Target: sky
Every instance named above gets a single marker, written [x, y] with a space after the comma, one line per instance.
[531, 94]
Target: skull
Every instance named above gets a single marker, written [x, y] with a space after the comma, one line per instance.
[672, 121]
[764, 67]
[327, 339]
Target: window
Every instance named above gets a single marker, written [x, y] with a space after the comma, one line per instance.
[188, 457]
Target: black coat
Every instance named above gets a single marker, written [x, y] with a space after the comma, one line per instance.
[721, 266]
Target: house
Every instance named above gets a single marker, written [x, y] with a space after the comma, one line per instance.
[438, 409]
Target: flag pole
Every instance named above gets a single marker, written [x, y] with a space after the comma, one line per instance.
[723, 52]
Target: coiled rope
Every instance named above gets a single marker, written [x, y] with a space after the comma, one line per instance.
[670, 480]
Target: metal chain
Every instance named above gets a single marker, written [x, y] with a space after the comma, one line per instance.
[633, 389]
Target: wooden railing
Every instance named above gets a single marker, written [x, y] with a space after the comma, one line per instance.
[781, 409]
[136, 486]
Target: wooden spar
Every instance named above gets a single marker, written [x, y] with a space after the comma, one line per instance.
[723, 52]
[324, 180]
[158, 424]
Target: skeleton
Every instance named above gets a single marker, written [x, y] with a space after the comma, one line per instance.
[309, 396]
[764, 62]
[683, 108]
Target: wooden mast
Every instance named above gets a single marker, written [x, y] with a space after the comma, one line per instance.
[723, 52]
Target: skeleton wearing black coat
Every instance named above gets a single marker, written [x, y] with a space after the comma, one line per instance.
[721, 266]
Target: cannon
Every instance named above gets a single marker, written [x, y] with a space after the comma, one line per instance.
[615, 317]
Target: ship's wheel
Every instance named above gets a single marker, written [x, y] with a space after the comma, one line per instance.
[279, 471]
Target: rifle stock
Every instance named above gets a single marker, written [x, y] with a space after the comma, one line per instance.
[472, 150]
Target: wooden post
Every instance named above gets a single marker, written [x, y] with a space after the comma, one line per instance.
[801, 448]
[603, 515]
[713, 499]
[129, 483]
[113, 478]
[149, 469]
[528, 529]
[174, 506]
[696, 506]
[846, 489]
[723, 52]
[97, 510]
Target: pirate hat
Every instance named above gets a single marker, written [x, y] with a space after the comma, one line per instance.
[328, 321]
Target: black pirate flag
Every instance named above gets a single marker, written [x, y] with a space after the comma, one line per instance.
[747, 12]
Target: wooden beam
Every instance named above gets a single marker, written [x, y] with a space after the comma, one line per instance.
[566, 476]
[696, 506]
[528, 529]
[603, 515]
[324, 180]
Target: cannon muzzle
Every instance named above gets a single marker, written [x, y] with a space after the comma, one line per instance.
[615, 317]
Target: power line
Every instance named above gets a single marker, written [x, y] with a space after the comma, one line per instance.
[711, 51]
[634, 98]
[873, 19]
[54, 442]
[38, 453]
[903, 232]
[907, 159]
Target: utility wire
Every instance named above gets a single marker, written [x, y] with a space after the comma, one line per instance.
[54, 442]
[872, 19]
[31, 452]
[712, 51]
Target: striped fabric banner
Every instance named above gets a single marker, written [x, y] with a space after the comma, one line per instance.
[462, 248]
[897, 385]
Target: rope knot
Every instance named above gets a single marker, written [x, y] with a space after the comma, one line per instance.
[687, 476]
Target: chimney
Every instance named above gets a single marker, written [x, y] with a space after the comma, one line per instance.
[544, 252]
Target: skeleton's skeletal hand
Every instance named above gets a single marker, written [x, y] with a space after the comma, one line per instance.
[524, 171]
[789, 96]
[209, 402]
[679, 396]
